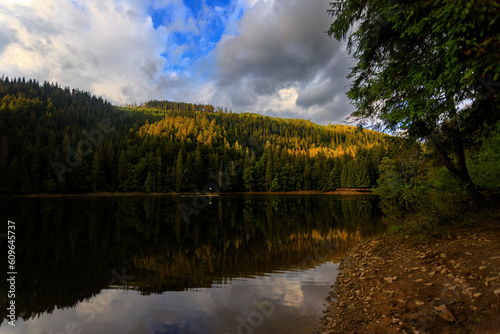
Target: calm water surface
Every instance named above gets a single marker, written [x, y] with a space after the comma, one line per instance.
[232, 264]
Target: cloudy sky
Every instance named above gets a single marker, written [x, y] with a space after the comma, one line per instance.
[270, 57]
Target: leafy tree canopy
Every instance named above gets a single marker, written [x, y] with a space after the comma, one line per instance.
[428, 68]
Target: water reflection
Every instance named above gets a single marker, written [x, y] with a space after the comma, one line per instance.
[74, 251]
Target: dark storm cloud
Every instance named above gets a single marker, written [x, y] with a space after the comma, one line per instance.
[331, 84]
[7, 36]
[283, 44]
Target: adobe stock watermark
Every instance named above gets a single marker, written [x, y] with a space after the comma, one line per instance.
[45, 12]
[425, 317]
[264, 308]
[322, 252]
[489, 86]
[74, 158]
[11, 273]
[395, 7]
[97, 304]
[222, 179]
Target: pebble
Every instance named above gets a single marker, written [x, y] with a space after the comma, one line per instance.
[459, 269]
[444, 313]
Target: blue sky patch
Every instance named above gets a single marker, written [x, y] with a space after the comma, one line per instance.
[185, 46]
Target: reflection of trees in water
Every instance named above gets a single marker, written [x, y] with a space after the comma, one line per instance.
[58, 254]
[68, 247]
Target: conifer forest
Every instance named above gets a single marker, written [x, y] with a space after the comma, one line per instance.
[63, 140]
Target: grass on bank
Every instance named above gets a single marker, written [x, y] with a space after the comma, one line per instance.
[422, 199]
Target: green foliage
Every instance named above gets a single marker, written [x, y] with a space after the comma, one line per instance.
[409, 176]
[62, 140]
[149, 185]
[485, 162]
[419, 195]
[420, 63]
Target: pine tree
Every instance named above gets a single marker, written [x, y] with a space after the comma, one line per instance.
[269, 173]
[249, 178]
[198, 168]
[96, 171]
[123, 172]
[149, 184]
[179, 173]
[343, 177]
[334, 178]
[110, 166]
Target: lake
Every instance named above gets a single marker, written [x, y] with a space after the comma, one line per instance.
[165, 264]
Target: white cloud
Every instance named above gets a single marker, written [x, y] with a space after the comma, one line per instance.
[273, 58]
[103, 47]
[281, 45]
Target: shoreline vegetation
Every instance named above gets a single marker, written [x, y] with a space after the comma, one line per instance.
[437, 268]
[181, 194]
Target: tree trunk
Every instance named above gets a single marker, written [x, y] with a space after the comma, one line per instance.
[460, 171]
[458, 150]
[445, 160]
[457, 144]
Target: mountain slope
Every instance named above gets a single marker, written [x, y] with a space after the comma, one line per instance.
[62, 140]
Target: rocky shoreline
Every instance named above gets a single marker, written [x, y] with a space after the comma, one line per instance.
[399, 284]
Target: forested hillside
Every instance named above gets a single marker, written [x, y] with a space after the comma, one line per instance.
[64, 140]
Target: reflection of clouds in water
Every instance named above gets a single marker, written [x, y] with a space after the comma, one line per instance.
[165, 263]
[87, 310]
[285, 296]
[179, 312]
[56, 322]
[287, 293]
[171, 329]
[204, 300]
